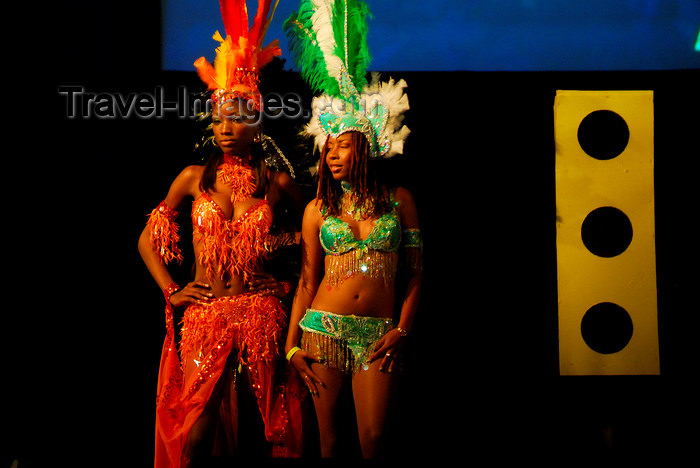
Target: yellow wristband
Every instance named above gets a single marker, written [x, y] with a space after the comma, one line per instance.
[292, 352]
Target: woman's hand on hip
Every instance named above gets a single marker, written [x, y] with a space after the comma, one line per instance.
[195, 292]
[388, 349]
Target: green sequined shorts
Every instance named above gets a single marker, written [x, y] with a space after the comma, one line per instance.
[342, 342]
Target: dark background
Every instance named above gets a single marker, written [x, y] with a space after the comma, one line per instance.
[84, 337]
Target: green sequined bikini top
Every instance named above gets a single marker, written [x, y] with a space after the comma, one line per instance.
[337, 238]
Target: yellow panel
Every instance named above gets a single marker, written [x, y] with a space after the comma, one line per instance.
[583, 184]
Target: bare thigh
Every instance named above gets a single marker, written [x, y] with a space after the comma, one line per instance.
[327, 405]
[374, 393]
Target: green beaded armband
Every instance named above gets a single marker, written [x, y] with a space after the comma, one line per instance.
[412, 238]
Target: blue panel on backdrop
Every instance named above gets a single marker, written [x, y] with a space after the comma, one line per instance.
[482, 35]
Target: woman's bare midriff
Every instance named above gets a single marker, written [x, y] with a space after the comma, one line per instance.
[230, 285]
[357, 295]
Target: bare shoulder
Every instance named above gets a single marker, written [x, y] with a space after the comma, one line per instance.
[313, 209]
[403, 196]
[313, 218]
[192, 174]
[281, 178]
[407, 208]
[310, 228]
[186, 183]
[283, 182]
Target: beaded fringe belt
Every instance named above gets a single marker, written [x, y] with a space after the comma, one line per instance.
[342, 342]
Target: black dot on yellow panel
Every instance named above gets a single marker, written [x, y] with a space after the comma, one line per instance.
[606, 328]
[603, 134]
[606, 232]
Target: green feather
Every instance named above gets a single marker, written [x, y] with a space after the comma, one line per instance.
[305, 50]
[309, 57]
[358, 56]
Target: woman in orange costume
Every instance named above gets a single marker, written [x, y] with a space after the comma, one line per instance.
[234, 320]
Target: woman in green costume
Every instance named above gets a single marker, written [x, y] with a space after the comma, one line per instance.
[346, 327]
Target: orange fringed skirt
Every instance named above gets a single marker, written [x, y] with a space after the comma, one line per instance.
[250, 325]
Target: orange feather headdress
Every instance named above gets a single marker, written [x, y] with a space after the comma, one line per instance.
[239, 57]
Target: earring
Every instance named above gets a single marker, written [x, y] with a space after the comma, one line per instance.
[258, 137]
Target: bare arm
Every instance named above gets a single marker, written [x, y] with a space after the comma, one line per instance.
[409, 220]
[183, 185]
[291, 189]
[392, 342]
[309, 280]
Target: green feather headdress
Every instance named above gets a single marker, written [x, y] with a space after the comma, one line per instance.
[328, 39]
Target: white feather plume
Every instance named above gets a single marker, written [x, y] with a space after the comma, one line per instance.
[394, 99]
[323, 27]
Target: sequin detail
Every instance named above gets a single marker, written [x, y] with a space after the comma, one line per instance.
[412, 238]
[374, 264]
[342, 342]
[253, 321]
[163, 233]
[337, 238]
[374, 257]
[249, 325]
[237, 176]
[230, 246]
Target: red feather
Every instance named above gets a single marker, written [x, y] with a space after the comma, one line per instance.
[260, 19]
[235, 16]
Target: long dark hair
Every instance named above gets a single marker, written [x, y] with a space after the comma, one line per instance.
[363, 176]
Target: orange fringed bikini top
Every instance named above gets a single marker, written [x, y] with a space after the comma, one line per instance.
[231, 245]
